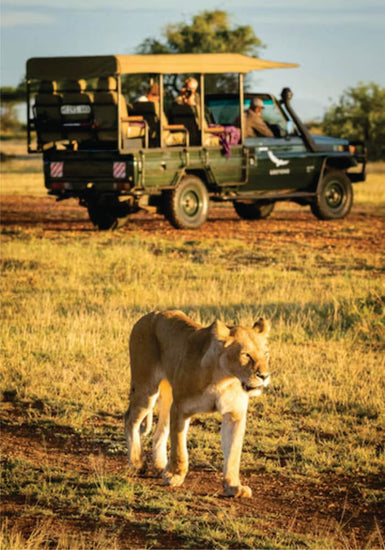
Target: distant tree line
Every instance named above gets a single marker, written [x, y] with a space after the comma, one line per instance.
[359, 113]
[10, 97]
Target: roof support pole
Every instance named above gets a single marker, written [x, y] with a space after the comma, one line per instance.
[241, 106]
[119, 88]
[29, 116]
[161, 109]
[202, 107]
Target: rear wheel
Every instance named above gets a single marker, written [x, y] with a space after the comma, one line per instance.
[107, 212]
[334, 197]
[187, 206]
[253, 210]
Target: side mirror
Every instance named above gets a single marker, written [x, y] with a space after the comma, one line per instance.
[286, 95]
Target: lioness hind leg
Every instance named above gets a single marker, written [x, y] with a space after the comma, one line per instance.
[159, 446]
[146, 425]
[138, 410]
[177, 466]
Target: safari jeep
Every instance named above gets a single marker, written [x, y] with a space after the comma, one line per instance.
[118, 158]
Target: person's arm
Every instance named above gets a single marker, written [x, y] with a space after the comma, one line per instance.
[261, 128]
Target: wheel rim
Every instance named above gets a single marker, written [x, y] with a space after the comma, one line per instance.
[334, 195]
[190, 203]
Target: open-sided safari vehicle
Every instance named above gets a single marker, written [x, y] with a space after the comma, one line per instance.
[118, 158]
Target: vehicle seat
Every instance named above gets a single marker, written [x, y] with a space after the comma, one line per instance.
[76, 111]
[47, 114]
[183, 114]
[106, 110]
[147, 110]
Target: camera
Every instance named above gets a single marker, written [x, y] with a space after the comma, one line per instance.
[188, 93]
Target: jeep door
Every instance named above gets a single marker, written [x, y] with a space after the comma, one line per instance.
[280, 164]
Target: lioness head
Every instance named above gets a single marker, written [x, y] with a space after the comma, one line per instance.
[245, 354]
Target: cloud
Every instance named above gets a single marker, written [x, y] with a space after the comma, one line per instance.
[86, 5]
[20, 18]
[275, 12]
[228, 5]
[297, 14]
[293, 11]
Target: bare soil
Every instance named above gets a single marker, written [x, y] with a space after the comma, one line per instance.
[303, 506]
[363, 230]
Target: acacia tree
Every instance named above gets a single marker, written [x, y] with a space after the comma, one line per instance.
[360, 114]
[208, 32]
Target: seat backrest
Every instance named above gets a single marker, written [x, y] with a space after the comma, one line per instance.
[183, 114]
[147, 110]
[106, 100]
[75, 95]
[48, 118]
[76, 110]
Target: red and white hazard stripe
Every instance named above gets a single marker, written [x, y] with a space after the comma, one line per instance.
[119, 170]
[56, 169]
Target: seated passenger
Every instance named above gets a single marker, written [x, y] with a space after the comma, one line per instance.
[188, 96]
[152, 95]
[147, 106]
[254, 123]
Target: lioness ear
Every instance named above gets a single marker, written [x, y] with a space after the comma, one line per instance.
[262, 325]
[220, 330]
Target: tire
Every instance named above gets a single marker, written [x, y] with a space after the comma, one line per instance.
[187, 206]
[255, 210]
[107, 212]
[334, 197]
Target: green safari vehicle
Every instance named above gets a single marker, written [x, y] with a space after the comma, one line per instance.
[166, 157]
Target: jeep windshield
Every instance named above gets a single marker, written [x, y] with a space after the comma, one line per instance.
[224, 109]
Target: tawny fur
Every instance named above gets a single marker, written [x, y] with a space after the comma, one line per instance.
[193, 369]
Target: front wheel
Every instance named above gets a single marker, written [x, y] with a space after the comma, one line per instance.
[334, 197]
[253, 210]
[187, 206]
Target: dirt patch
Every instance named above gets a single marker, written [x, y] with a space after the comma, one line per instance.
[363, 230]
[298, 505]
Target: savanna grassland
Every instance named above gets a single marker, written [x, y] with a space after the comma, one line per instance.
[314, 446]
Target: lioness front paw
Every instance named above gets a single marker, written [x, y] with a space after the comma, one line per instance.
[136, 463]
[173, 480]
[237, 491]
[138, 467]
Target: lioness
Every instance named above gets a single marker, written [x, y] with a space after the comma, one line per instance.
[193, 369]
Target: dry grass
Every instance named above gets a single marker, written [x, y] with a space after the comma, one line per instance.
[68, 306]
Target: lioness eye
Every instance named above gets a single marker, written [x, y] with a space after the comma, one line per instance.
[247, 356]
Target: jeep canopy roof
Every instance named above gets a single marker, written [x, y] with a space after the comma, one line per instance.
[106, 65]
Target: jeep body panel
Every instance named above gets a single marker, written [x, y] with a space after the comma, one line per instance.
[278, 163]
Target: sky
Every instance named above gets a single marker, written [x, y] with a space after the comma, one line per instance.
[337, 43]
